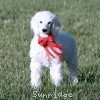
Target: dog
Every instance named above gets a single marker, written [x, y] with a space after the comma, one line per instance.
[45, 24]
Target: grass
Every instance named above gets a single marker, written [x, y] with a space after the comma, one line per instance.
[79, 17]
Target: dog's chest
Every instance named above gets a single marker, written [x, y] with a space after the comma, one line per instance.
[42, 56]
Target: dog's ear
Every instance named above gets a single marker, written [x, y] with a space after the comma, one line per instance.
[34, 24]
[55, 26]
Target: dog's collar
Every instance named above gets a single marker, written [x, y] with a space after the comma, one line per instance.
[49, 44]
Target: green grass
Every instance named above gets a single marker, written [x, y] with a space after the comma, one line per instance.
[79, 17]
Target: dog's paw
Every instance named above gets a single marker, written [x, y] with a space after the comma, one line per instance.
[35, 84]
[75, 80]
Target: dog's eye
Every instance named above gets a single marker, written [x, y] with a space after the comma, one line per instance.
[49, 22]
[40, 21]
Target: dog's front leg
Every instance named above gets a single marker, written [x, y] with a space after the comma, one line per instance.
[56, 72]
[35, 73]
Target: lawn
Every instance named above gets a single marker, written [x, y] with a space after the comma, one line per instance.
[79, 17]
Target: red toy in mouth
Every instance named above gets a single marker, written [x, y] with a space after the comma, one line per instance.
[49, 44]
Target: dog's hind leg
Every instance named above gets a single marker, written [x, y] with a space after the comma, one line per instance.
[73, 69]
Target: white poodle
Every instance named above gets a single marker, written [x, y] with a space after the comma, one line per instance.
[45, 24]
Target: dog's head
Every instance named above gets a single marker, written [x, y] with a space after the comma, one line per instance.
[45, 22]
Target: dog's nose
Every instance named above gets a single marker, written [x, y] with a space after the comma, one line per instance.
[44, 30]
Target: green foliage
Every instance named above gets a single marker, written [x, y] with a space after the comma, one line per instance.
[79, 17]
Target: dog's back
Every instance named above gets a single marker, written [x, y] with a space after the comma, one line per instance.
[69, 44]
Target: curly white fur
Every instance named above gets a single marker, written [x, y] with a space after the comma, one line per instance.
[42, 23]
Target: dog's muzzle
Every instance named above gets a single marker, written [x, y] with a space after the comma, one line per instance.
[44, 30]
